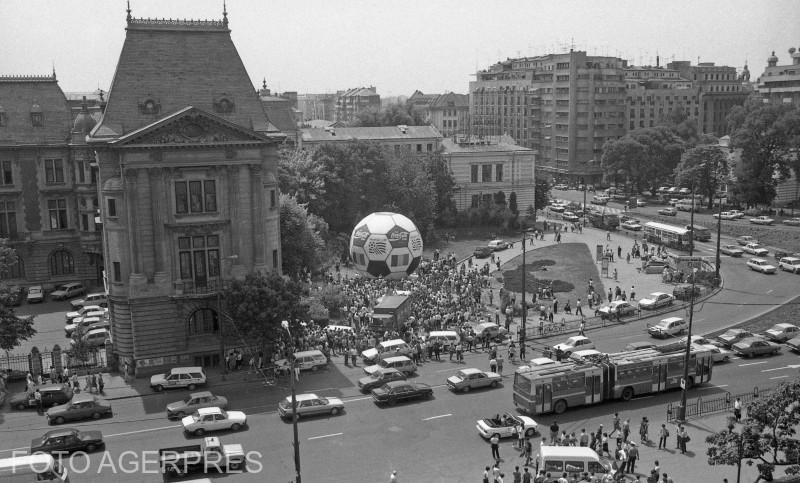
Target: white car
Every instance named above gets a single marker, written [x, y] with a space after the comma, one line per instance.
[617, 307]
[738, 214]
[585, 355]
[213, 419]
[498, 245]
[668, 211]
[718, 354]
[558, 208]
[506, 426]
[745, 240]
[668, 327]
[537, 362]
[574, 343]
[641, 203]
[756, 249]
[790, 264]
[656, 300]
[569, 216]
[762, 220]
[560, 187]
[725, 215]
[632, 225]
[731, 250]
[761, 265]
[792, 221]
[782, 332]
[84, 311]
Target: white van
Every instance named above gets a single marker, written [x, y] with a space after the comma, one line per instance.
[444, 337]
[310, 360]
[36, 467]
[397, 347]
[572, 459]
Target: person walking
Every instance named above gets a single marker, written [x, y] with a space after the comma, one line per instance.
[37, 396]
[495, 443]
[584, 438]
[582, 327]
[516, 475]
[626, 430]
[354, 356]
[578, 310]
[528, 452]
[554, 432]
[737, 409]
[100, 383]
[663, 434]
[683, 438]
[486, 474]
[616, 425]
[500, 364]
[633, 455]
[643, 438]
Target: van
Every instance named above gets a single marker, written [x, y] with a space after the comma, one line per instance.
[395, 347]
[178, 377]
[401, 363]
[310, 360]
[572, 460]
[35, 467]
[444, 337]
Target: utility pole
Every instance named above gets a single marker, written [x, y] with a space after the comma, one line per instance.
[685, 382]
[524, 305]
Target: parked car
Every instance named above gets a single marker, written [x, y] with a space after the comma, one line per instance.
[761, 265]
[82, 406]
[14, 296]
[617, 308]
[569, 216]
[505, 426]
[656, 300]
[655, 266]
[68, 291]
[310, 405]
[632, 225]
[213, 419]
[84, 312]
[490, 330]
[670, 326]
[737, 213]
[67, 440]
[732, 336]
[718, 354]
[782, 332]
[93, 337]
[725, 215]
[179, 377]
[635, 346]
[745, 240]
[100, 298]
[96, 320]
[560, 187]
[379, 378]
[498, 245]
[392, 392]
[794, 344]
[574, 343]
[754, 346]
[557, 208]
[792, 221]
[35, 294]
[402, 363]
[762, 220]
[195, 401]
[756, 249]
[790, 264]
[482, 252]
[52, 395]
[731, 250]
[472, 378]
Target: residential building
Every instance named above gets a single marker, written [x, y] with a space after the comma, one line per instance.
[188, 190]
[780, 84]
[449, 112]
[48, 185]
[415, 139]
[482, 167]
[562, 106]
[353, 101]
[653, 92]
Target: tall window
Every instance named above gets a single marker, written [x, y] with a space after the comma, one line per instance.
[7, 176]
[474, 173]
[8, 219]
[486, 174]
[117, 271]
[273, 199]
[196, 196]
[53, 171]
[203, 321]
[80, 168]
[498, 172]
[198, 258]
[57, 210]
[112, 207]
[61, 263]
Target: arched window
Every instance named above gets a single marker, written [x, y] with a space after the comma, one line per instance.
[61, 263]
[203, 321]
[14, 271]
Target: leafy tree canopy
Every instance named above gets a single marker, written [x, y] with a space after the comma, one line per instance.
[302, 243]
[391, 115]
[706, 168]
[13, 329]
[645, 157]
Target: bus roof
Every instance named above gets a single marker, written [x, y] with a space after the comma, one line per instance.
[666, 227]
[566, 452]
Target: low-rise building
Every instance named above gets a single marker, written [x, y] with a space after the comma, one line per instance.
[415, 139]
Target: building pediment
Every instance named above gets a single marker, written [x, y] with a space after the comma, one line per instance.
[190, 127]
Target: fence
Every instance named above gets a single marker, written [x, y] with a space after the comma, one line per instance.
[17, 366]
[703, 406]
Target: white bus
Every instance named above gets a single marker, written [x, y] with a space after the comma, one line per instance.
[31, 468]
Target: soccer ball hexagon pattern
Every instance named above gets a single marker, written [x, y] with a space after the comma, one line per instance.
[386, 245]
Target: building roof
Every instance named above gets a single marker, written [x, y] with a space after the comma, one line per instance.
[382, 133]
[450, 100]
[360, 91]
[280, 114]
[22, 95]
[172, 64]
[486, 145]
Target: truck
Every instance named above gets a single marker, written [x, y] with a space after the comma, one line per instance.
[604, 221]
[391, 313]
[209, 455]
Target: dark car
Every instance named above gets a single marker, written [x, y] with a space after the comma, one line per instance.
[67, 440]
[392, 392]
[379, 378]
[52, 395]
[82, 406]
[482, 252]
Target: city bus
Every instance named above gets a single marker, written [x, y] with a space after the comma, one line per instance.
[623, 375]
[701, 233]
[31, 468]
[670, 236]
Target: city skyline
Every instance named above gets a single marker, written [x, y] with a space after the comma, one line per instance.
[439, 44]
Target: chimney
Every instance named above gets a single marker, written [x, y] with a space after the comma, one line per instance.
[657, 60]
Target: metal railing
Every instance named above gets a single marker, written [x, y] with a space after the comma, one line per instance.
[704, 406]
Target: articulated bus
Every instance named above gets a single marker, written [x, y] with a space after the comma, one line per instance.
[31, 468]
[623, 375]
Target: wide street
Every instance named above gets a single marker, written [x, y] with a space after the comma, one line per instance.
[425, 441]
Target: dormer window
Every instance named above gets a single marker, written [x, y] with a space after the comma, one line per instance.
[37, 118]
[149, 106]
[223, 105]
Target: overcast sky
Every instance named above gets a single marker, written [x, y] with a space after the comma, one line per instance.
[314, 46]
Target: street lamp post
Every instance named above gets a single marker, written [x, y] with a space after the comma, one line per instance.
[297, 479]
[685, 384]
[719, 235]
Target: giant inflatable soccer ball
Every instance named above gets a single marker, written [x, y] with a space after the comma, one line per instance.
[386, 245]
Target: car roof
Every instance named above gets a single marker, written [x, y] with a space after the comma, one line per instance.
[397, 383]
[52, 387]
[215, 410]
[305, 397]
[758, 260]
[96, 331]
[201, 394]
[83, 397]
[470, 370]
[656, 294]
[750, 340]
[59, 432]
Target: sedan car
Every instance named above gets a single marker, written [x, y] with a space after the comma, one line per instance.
[668, 211]
[794, 344]
[732, 336]
[755, 346]
[656, 300]
[636, 346]
[574, 343]
[83, 311]
[52, 395]
[379, 378]
[472, 378]
[670, 326]
[195, 401]
[761, 265]
[718, 354]
[310, 405]
[35, 294]
[82, 406]
[731, 250]
[617, 307]
[725, 215]
[213, 419]
[497, 245]
[746, 239]
[632, 225]
[762, 220]
[67, 440]
[68, 291]
[506, 426]
[756, 249]
[782, 332]
[569, 216]
[482, 252]
[392, 392]
[557, 208]
[792, 221]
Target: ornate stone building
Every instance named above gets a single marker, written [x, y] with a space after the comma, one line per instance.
[188, 190]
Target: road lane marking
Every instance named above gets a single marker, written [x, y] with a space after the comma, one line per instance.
[790, 366]
[325, 436]
[437, 417]
[769, 291]
[357, 399]
[778, 377]
[712, 387]
[24, 448]
[144, 430]
[752, 363]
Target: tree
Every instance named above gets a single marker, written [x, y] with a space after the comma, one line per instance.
[13, 330]
[624, 158]
[769, 435]
[541, 194]
[512, 203]
[256, 306]
[705, 168]
[79, 349]
[500, 199]
[302, 245]
[301, 175]
[391, 115]
[645, 157]
[444, 186]
[410, 191]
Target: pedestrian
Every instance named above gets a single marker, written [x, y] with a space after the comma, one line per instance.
[354, 356]
[608, 236]
[486, 473]
[643, 438]
[578, 310]
[493, 365]
[633, 455]
[604, 445]
[633, 293]
[296, 371]
[500, 364]
[737, 409]
[622, 457]
[584, 439]
[616, 425]
[520, 437]
[517, 475]
[526, 476]
[37, 396]
[100, 383]
[555, 306]
[683, 438]
[615, 274]
[495, 442]
[583, 326]
[619, 251]
[554, 432]
[346, 353]
[76, 386]
[663, 434]
[528, 452]
[626, 430]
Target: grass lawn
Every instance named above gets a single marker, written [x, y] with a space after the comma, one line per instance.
[569, 266]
